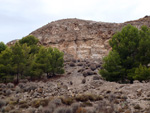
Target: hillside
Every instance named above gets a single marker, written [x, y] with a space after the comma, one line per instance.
[81, 39]
[80, 89]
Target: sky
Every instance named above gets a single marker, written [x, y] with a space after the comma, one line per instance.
[18, 18]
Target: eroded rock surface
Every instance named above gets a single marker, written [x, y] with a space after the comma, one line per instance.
[81, 38]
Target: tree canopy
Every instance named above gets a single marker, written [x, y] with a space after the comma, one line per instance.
[2, 47]
[27, 59]
[130, 53]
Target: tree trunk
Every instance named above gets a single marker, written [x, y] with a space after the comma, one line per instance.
[131, 81]
[47, 75]
[17, 78]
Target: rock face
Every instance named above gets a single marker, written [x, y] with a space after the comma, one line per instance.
[82, 39]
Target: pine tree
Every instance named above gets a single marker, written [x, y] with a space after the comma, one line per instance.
[49, 61]
[19, 58]
[133, 48]
[32, 42]
[6, 71]
[2, 47]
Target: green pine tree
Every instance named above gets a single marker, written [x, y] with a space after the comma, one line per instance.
[133, 48]
[2, 47]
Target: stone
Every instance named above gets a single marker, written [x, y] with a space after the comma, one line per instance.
[137, 106]
[83, 81]
[93, 67]
[72, 64]
[88, 73]
[96, 77]
[10, 85]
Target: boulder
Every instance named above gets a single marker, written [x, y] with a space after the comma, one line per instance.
[93, 67]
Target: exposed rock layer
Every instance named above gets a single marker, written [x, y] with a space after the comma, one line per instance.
[82, 39]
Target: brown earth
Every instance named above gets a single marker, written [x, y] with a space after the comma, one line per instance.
[91, 93]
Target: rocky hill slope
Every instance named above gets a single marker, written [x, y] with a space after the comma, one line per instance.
[74, 93]
[80, 89]
[81, 38]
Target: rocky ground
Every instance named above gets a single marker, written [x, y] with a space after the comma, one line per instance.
[79, 90]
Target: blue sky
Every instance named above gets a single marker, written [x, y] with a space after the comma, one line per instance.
[18, 18]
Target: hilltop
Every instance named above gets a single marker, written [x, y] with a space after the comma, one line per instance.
[82, 39]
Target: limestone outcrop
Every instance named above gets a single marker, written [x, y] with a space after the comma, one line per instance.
[82, 39]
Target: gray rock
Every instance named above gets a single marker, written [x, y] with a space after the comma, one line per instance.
[2, 85]
[72, 64]
[8, 92]
[93, 67]
[10, 85]
[84, 81]
[97, 77]
[2, 103]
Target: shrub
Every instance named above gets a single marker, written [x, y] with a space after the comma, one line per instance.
[30, 87]
[17, 89]
[39, 102]
[86, 97]
[82, 98]
[87, 103]
[67, 100]
[21, 85]
[8, 92]
[2, 103]
[63, 110]
[10, 85]
[57, 101]
[75, 106]
[96, 77]
[47, 110]
[81, 110]
[51, 107]
[2, 85]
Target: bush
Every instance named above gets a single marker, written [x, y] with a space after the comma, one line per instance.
[96, 77]
[2, 103]
[51, 107]
[75, 106]
[39, 102]
[67, 101]
[8, 92]
[81, 110]
[86, 97]
[10, 85]
[63, 110]
[57, 102]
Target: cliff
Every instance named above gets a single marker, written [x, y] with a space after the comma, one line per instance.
[82, 39]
